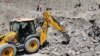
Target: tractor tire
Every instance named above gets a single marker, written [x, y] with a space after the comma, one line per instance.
[7, 50]
[32, 45]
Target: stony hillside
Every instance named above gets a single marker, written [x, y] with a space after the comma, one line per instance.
[10, 9]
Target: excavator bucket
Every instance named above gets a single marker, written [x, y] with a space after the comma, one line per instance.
[67, 38]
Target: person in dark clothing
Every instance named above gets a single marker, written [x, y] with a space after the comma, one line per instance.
[39, 7]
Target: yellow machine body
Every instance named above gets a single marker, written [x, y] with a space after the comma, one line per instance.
[11, 36]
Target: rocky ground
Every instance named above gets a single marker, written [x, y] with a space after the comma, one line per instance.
[81, 43]
[80, 18]
[84, 31]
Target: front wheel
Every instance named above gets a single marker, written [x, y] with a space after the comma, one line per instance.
[7, 50]
[32, 45]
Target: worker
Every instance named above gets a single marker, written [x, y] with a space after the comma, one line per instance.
[39, 7]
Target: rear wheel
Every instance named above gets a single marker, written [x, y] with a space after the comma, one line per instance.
[7, 50]
[32, 45]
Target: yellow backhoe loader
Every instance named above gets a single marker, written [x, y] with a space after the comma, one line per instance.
[23, 35]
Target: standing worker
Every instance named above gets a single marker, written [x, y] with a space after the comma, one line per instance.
[39, 7]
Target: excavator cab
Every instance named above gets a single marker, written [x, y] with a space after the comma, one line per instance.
[23, 24]
[22, 36]
[26, 35]
[23, 28]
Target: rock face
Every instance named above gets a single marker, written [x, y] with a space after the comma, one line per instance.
[80, 18]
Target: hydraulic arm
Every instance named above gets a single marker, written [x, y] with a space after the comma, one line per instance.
[48, 19]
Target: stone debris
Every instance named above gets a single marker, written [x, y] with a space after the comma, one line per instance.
[80, 18]
[80, 44]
